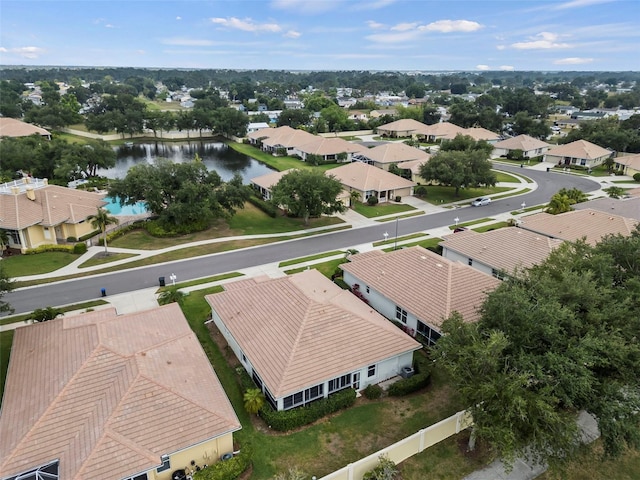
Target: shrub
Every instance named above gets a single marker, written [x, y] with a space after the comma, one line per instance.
[289, 419]
[420, 379]
[160, 229]
[636, 177]
[372, 392]
[267, 207]
[45, 314]
[226, 469]
[49, 248]
[372, 200]
[72, 239]
[398, 198]
[385, 470]
[88, 235]
[80, 248]
[420, 191]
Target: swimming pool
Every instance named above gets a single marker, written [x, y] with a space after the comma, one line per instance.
[114, 207]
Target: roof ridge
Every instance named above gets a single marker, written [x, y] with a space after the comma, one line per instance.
[449, 287]
[296, 342]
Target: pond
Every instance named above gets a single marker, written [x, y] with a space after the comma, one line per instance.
[215, 155]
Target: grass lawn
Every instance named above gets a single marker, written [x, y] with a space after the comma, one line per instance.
[428, 243]
[6, 338]
[381, 209]
[399, 239]
[24, 265]
[101, 259]
[325, 268]
[278, 163]
[493, 226]
[438, 194]
[528, 209]
[473, 222]
[512, 194]
[310, 258]
[200, 281]
[406, 215]
[70, 138]
[505, 177]
[69, 308]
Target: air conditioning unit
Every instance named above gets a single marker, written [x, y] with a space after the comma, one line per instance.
[407, 372]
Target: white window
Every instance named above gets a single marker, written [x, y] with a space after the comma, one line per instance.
[166, 464]
[371, 371]
[401, 314]
[47, 233]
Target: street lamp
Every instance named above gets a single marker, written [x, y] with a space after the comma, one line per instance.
[523, 205]
[385, 235]
[173, 277]
[456, 220]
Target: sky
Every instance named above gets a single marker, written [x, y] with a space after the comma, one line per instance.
[405, 35]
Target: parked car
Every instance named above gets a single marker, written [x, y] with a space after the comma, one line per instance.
[478, 202]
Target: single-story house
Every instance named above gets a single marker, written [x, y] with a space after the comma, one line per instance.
[101, 396]
[34, 213]
[371, 181]
[330, 149]
[418, 288]
[302, 338]
[286, 139]
[442, 131]
[264, 183]
[411, 169]
[381, 112]
[628, 164]
[10, 127]
[530, 147]
[255, 126]
[383, 156]
[579, 152]
[498, 252]
[479, 133]
[406, 127]
[572, 226]
[625, 207]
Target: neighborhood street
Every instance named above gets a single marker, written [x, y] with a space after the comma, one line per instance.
[88, 288]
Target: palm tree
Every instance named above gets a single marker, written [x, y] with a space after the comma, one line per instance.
[354, 196]
[4, 241]
[171, 295]
[102, 220]
[253, 400]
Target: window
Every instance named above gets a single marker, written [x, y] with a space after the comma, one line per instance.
[430, 335]
[244, 359]
[313, 392]
[14, 237]
[257, 380]
[499, 274]
[49, 471]
[47, 233]
[401, 314]
[583, 161]
[339, 383]
[371, 371]
[270, 398]
[142, 476]
[292, 400]
[470, 261]
[166, 464]
[367, 288]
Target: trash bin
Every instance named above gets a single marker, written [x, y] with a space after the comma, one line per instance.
[548, 169]
[161, 281]
[103, 292]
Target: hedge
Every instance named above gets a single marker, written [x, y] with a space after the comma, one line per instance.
[80, 248]
[636, 177]
[88, 235]
[49, 248]
[420, 379]
[372, 392]
[226, 469]
[266, 207]
[296, 417]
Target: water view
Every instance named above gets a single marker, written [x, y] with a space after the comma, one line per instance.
[215, 155]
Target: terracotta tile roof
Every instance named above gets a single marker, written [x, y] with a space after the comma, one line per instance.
[364, 177]
[10, 127]
[423, 283]
[521, 142]
[414, 165]
[303, 329]
[52, 206]
[478, 133]
[403, 125]
[575, 225]
[329, 146]
[394, 152]
[625, 207]
[503, 249]
[632, 161]
[288, 137]
[268, 180]
[107, 395]
[579, 149]
[444, 130]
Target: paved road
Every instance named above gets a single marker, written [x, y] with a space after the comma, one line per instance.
[88, 288]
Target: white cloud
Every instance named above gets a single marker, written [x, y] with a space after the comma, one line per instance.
[372, 24]
[372, 5]
[501, 47]
[305, 7]
[447, 26]
[292, 34]
[403, 27]
[578, 4]
[247, 25]
[25, 52]
[483, 67]
[3, 50]
[573, 61]
[395, 37]
[508, 68]
[541, 41]
[186, 42]
[178, 18]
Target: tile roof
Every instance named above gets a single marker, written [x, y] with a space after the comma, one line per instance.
[108, 394]
[403, 125]
[10, 127]
[423, 283]
[365, 177]
[521, 142]
[52, 206]
[303, 329]
[579, 149]
[329, 146]
[394, 152]
[287, 137]
[572, 226]
[478, 133]
[625, 207]
[444, 130]
[414, 165]
[503, 249]
[632, 161]
[268, 180]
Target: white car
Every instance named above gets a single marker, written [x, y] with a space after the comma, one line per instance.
[478, 202]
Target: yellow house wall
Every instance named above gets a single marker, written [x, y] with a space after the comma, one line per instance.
[206, 453]
[35, 236]
[77, 229]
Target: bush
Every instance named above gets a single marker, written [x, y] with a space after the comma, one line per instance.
[160, 229]
[226, 469]
[72, 239]
[296, 417]
[420, 379]
[386, 470]
[398, 198]
[372, 392]
[80, 248]
[49, 248]
[372, 200]
[636, 177]
[45, 314]
[267, 207]
[88, 235]
[420, 191]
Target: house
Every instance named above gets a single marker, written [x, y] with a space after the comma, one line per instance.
[498, 252]
[442, 131]
[406, 127]
[10, 127]
[370, 181]
[580, 152]
[625, 207]
[387, 154]
[417, 288]
[255, 126]
[106, 396]
[530, 147]
[264, 183]
[302, 338]
[392, 112]
[34, 213]
[589, 224]
[331, 149]
[411, 169]
[478, 133]
[628, 164]
[281, 139]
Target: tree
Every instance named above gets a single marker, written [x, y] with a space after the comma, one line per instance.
[556, 339]
[308, 193]
[253, 400]
[6, 285]
[575, 195]
[101, 220]
[4, 241]
[386, 470]
[559, 203]
[294, 118]
[171, 294]
[614, 192]
[465, 143]
[459, 169]
[45, 314]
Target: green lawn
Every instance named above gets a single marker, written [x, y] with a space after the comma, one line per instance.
[381, 209]
[438, 194]
[406, 215]
[505, 177]
[6, 338]
[278, 163]
[492, 226]
[24, 265]
[399, 239]
[473, 222]
[310, 258]
[428, 243]
[200, 281]
[100, 259]
[325, 268]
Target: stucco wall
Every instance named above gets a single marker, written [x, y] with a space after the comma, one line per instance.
[457, 257]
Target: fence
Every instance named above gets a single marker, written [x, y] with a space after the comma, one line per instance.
[405, 448]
